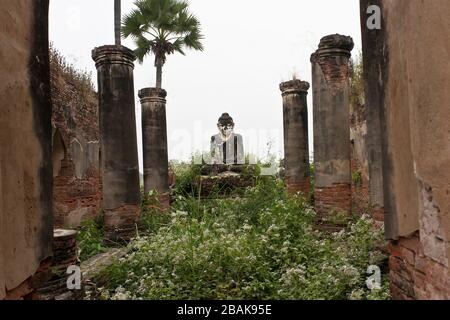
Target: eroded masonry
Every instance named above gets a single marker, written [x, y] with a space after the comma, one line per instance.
[76, 150]
[408, 99]
[332, 154]
[59, 168]
[119, 161]
[295, 123]
[26, 222]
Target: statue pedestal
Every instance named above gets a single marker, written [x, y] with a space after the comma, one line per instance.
[219, 181]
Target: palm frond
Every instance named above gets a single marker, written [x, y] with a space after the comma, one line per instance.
[162, 27]
[131, 25]
[144, 47]
[194, 40]
[178, 46]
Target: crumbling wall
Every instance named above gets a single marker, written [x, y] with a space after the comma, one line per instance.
[25, 145]
[411, 75]
[77, 182]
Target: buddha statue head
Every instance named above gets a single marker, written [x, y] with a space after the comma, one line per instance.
[225, 126]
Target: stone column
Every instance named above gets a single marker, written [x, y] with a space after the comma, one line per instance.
[154, 136]
[295, 123]
[332, 152]
[119, 161]
[373, 49]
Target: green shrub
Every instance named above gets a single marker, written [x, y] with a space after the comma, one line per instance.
[260, 246]
[184, 178]
[90, 238]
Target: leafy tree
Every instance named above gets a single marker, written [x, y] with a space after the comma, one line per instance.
[161, 28]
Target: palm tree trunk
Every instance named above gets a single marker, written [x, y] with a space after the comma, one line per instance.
[117, 21]
[159, 66]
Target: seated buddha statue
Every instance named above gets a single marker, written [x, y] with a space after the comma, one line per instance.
[226, 149]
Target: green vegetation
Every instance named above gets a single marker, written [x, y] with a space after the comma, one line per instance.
[260, 246]
[185, 174]
[357, 178]
[90, 239]
[357, 94]
[161, 28]
[152, 218]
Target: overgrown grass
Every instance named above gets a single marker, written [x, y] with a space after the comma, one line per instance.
[185, 174]
[260, 246]
[90, 238]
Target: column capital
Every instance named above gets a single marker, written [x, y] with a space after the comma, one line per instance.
[334, 45]
[152, 94]
[112, 54]
[294, 87]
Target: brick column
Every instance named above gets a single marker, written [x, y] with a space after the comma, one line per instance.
[119, 161]
[154, 135]
[295, 123]
[332, 153]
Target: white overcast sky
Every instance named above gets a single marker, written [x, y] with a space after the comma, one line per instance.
[250, 47]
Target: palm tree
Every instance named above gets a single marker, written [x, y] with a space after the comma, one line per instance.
[117, 21]
[161, 28]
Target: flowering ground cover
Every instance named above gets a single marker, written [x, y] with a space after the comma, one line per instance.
[262, 245]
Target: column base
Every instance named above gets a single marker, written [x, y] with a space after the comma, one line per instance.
[294, 186]
[331, 202]
[121, 224]
[51, 283]
[160, 202]
[378, 213]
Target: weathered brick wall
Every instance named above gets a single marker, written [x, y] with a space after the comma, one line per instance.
[25, 148]
[413, 275]
[295, 185]
[75, 200]
[406, 83]
[77, 183]
[333, 200]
